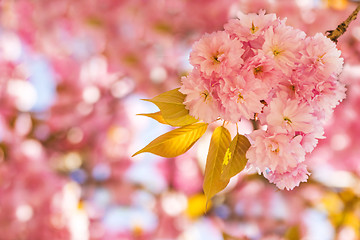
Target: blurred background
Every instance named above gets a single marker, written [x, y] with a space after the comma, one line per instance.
[72, 74]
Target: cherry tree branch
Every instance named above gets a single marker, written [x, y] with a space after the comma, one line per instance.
[341, 29]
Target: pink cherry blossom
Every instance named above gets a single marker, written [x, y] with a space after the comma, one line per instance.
[122, 49]
[310, 140]
[201, 99]
[249, 26]
[329, 93]
[320, 56]
[264, 68]
[288, 115]
[282, 43]
[276, 74]
[289, 179]
[217, 53]
[240, 97]
[277, 152]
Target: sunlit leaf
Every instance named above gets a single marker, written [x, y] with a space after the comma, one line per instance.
[235, 157]
[172, 108]
[156, 116]
[219, 143]
[175, 142]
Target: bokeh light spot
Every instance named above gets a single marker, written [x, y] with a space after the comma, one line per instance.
[158, 74]
[75, 135]
[24, 93]
[72, 161]
[173, 203]
[32, 149]
[91, 94]
[122, 87]
[84, 108]
[24, 213]
[340, 141]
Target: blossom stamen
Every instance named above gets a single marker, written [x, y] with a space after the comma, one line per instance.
[205, 95]
[276, 52]
[292, 88]
[216, 59]
[320, 58]
[273, 149]
[240, 98]
[253, 29]
[287, 120]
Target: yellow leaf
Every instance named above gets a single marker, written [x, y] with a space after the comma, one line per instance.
[156, 116]
[197, 206]
[171, 105]
[219, 143]
[235, 157]
[175, 142]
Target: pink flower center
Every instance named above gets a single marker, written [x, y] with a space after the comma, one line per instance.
[258, 70]
[216, 58]
[292, 88]
[276, 51]
[273, 149]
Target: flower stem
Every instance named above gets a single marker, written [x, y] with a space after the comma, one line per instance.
[341, 29]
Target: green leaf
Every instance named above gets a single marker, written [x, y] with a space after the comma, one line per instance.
[235, 157]
[213, 183]
[171, 105]
[175, 142]
[156, 116]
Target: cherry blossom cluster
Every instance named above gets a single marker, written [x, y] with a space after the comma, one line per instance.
[260, 68]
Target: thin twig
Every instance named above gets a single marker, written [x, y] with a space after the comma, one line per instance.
[341, 29]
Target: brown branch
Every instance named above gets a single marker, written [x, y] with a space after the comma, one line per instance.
[341, 29]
